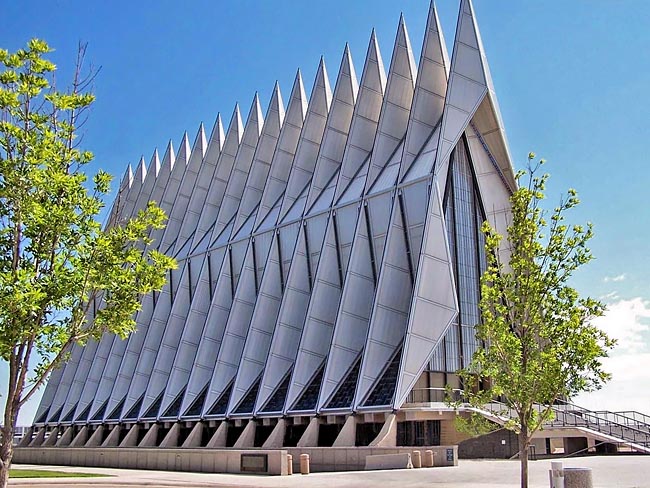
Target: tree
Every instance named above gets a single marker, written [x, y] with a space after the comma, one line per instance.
[63, 279]
[539, 343]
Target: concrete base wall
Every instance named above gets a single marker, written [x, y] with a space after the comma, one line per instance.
[197, 460]
[220, 460]
[322, 459]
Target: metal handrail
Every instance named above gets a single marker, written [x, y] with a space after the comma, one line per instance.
[622, 425]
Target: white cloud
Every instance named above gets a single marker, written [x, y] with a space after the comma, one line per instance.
[628, 321]
[613, 295]
[615, 279]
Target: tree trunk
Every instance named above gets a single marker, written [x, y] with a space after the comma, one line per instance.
[6, 453]
[523, 454]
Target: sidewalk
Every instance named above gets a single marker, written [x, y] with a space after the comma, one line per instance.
[608, 471]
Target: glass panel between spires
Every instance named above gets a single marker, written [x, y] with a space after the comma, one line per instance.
[298, 207]
[202, 245]
[223, 238]
[271, 218]
[423, 164]
[388, 176]
[355, 187]
[247, 227]
[325, 199]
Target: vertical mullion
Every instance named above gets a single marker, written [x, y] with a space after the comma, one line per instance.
[308, 256]
[279, 244]
[400, 203]
[370, 243]
[338, 247]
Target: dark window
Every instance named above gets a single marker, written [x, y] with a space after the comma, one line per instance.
[117, 411]
[70, 414]
[384, 390]
[42, 418]
[197, 405]
[135, 409]
[83, 416]
[152, 413]
[247, 404]
[309, 397]
[57, 415]
[367, 432]
[276, 402]
[344, 395]
[220, 406]
[99, 414]
[174, 409]
[418, 433]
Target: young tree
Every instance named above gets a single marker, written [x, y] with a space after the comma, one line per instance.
[58, 267]
[539, 343]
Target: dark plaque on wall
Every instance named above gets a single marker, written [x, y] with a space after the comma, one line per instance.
[254, 463]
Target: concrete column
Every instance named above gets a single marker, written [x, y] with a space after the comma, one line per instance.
[66, 438]
[96, 439]
[219, 437]
[171, 439]
[113, 439]
[310, 436]
[247, 437]
[27, 438]
[40, 437]
[53, 438]
[151, 437]
[194, 439]
[387, 436]
[131, 438]
[276, 439]
[348, 435]
[81, 438]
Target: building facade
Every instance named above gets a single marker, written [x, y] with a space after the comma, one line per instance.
[329, 255]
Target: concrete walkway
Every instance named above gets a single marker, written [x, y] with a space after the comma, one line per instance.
[608, 471]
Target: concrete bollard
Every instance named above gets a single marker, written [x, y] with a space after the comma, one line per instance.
[428, 458]
[304, 464]
[289, 464]
[417, 459]
[556, 475]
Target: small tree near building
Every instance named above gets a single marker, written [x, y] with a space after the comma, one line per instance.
[58, 267]
[539, 343]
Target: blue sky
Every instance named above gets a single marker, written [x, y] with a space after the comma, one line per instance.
[571, 78]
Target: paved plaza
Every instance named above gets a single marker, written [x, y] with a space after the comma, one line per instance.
[612, 471]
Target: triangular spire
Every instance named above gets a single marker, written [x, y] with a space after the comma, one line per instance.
[285, 149]
[169, 158]
[154, 164]
[184, 149]
[297, 108]
[141, 170]
[430, 90]
[255, 116]
[200, 142]
[260, 167]
[470, 83]
[310, 139]
[236, 125]
[338, 123]
[321, 93]
[366, 116]
[276, 107]
[216, 141]
[127, 180]
[395, 111]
